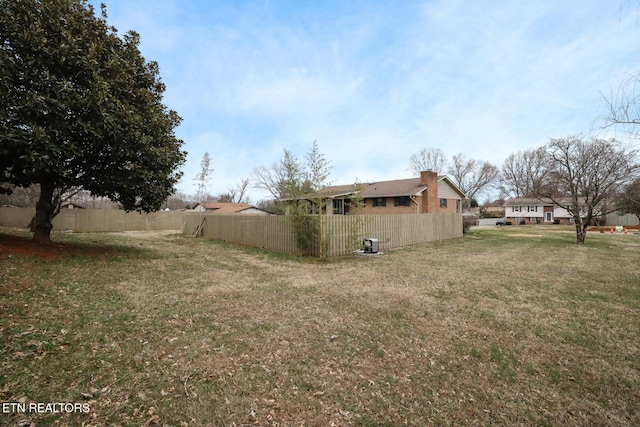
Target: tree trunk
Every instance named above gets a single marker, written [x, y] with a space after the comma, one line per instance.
[581, 231]
[45, 211]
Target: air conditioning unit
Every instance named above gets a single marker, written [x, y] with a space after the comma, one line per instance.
[371, 245]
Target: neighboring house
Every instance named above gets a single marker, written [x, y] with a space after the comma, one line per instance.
[536, 211]
[495, 209]
[229, 208]
[428, 194]
[70, 205]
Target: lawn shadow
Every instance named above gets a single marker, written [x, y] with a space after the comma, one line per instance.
[19, 243]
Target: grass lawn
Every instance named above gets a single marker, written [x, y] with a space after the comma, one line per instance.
[510, 326]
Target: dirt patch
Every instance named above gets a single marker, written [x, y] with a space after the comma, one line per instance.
[12, 245]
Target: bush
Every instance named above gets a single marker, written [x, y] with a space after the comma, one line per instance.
[467, 222]
[523, 222]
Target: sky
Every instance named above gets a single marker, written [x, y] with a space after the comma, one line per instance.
[373, 82]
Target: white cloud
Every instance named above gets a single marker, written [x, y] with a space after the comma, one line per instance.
[375, 84]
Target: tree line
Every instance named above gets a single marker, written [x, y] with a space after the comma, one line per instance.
[587, 176]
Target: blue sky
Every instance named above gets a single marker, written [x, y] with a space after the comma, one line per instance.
[374, 81]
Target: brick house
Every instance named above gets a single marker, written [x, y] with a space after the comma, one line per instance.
[431, 193]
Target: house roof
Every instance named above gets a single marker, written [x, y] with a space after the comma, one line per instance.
[394, 188]
[227, 208]
[69, 203]
[524, 201]
[398, 187]
[494, 204]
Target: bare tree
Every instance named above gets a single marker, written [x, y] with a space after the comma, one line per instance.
[432, 159]
[624, 106]
[203, 177]
[583, 176]
[282, 179]
[178, 200]
[237, 193]
[268, 178]
[28, 196]
[289, 177]
[522, 172]
[472, 176]
[629, 199]
[21, 196]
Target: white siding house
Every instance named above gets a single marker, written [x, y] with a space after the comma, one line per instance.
[535, 211]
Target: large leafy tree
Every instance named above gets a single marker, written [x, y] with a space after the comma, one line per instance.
[81, 107]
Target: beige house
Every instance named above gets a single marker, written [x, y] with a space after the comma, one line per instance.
[493, 208]
[430, 193]
[229, 208]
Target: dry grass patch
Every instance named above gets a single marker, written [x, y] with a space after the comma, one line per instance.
[173, 330]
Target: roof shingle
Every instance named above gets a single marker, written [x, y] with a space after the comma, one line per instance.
[398, 187]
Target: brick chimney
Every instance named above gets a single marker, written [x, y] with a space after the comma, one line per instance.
[430, 201]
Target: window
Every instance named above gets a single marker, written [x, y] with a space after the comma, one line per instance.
[443, 203]
[379, 201]
[515, 208]
[338, 206]
[402, 201]
[532, 209]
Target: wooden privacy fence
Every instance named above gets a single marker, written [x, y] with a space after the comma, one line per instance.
[273, 232]
[87, 220]
[327, 236]
[392, 231]
[333, 236]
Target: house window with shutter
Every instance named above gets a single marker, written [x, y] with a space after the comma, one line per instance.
[379, 201]
[402, 201]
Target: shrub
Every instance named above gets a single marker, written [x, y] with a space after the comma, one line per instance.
[467, 222]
